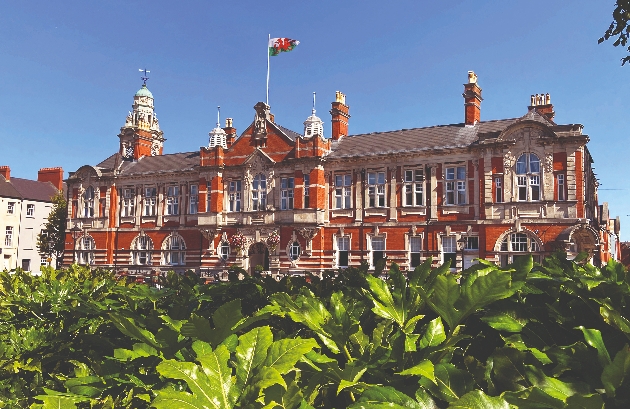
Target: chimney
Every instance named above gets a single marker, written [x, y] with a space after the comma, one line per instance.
[542, 104]
[472, 100]
[6, 172]
[340, 116]
[230, 131]
[52, 175]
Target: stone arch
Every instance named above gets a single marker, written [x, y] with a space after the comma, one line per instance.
[258, 254]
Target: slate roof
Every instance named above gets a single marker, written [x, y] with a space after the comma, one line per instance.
[422, 139]
[27, 189]
[173, 162]
[291, 134]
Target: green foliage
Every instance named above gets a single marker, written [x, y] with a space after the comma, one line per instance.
[51, 242]
[549, 336]
[619, 27]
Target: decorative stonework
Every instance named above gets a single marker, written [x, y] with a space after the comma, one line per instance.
[309, 234]
[508, 160]
[549, 162]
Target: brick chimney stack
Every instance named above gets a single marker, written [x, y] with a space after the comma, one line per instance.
[340, 116]
[6, 172]
[472, 100]
[52, 175]
[542, 104]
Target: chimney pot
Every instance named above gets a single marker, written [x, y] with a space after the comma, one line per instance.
[228, 122]
[6, 172]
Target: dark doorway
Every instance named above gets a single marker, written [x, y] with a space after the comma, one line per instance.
[258, 256]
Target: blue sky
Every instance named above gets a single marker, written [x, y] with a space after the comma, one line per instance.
[68, 71]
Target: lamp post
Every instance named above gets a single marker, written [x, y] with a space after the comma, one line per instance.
[76, 233]
[461, 244]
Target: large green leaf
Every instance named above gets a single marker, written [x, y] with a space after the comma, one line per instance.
[454, 302]
[284, 354]
[479, 400]
[615, 372]
[423, 368]
[451, 383]
[503, 321]
[384, 305]
[433, 335]
[593, 337]
[380, 397]
[251, 352]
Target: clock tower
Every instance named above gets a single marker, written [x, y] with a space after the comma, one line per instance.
[141, 135]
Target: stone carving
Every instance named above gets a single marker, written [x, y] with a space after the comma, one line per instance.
[309, 233]
[508, 160]
[260, 121]
[549, 162]
[129, 120]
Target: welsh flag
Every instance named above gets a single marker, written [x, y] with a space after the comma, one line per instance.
[278, 45]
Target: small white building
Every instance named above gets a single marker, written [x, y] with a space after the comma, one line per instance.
[24, 208]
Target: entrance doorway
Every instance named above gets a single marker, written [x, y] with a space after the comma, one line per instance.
[258, 256]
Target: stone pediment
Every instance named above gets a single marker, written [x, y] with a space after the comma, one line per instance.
[258, 158]
[85, 172]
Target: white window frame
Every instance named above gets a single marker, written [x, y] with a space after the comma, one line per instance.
[498, 188]
[88, 202]
[10, 207]
[142, 251]
[174, 251]
[307, 188]
[455, 186]
[518, 244]
[172, 200]
[128, 203]
[449, 246]
[259, 192]
[194, 199]
[224, 250]
[295, 250]
[377, 245]
[343, 191]
[342, 245]
[376, 189]
[30, 209]
[413, 187]
[150, 201]
[8, 236]
[415, 247]
[234, 196]
[528, 176]
[562, 193]
[85, 250]
[287, 186]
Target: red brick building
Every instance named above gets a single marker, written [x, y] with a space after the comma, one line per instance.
[286, 201]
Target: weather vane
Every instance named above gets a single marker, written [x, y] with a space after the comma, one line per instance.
[144, 78]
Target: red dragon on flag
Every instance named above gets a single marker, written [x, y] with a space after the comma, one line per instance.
[278, 45]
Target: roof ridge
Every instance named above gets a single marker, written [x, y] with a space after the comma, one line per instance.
[460, 124]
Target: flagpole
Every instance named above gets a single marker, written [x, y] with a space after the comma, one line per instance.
[268, 39]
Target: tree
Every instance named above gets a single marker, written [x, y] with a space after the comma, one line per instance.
[51, 242]
[619, 28]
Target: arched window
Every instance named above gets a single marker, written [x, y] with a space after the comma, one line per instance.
[259, 192]
[141, 249]
[174, 253]
[85, 250]
[88, 202]
[528, 177]
[224, 250]
[515, 245]
[294, 250]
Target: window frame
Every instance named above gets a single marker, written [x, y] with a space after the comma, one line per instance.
[142, 249]
[88, 203]
[128, 202]
[85, 253]
[287, 193]
[499, 197]
[455, 189]
[413, 185]
[376, 182]
[150, 202]
[377, 254]
[295, 250]
[307, 188]
[174, 248]
[10, 207]
[259, 192]
[224, 255]
[343, 246]
[235, 195]
[193, 199]
[528, 178]
[449, 243]
[343, 191]
[30, 210]
[526, 244]
[413, 251]
[172, 200]
[8, 236]
[561, 187]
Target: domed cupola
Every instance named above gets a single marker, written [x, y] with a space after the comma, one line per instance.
[218, 137]
[141, 134]
[313, 124]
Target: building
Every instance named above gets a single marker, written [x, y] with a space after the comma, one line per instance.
[24, 208]
[279, 200]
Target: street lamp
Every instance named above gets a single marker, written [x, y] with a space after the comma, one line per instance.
[76, 232]
[461, 244]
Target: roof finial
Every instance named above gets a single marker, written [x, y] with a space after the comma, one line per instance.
[218, 116]
[144, 78]
[313, 103]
